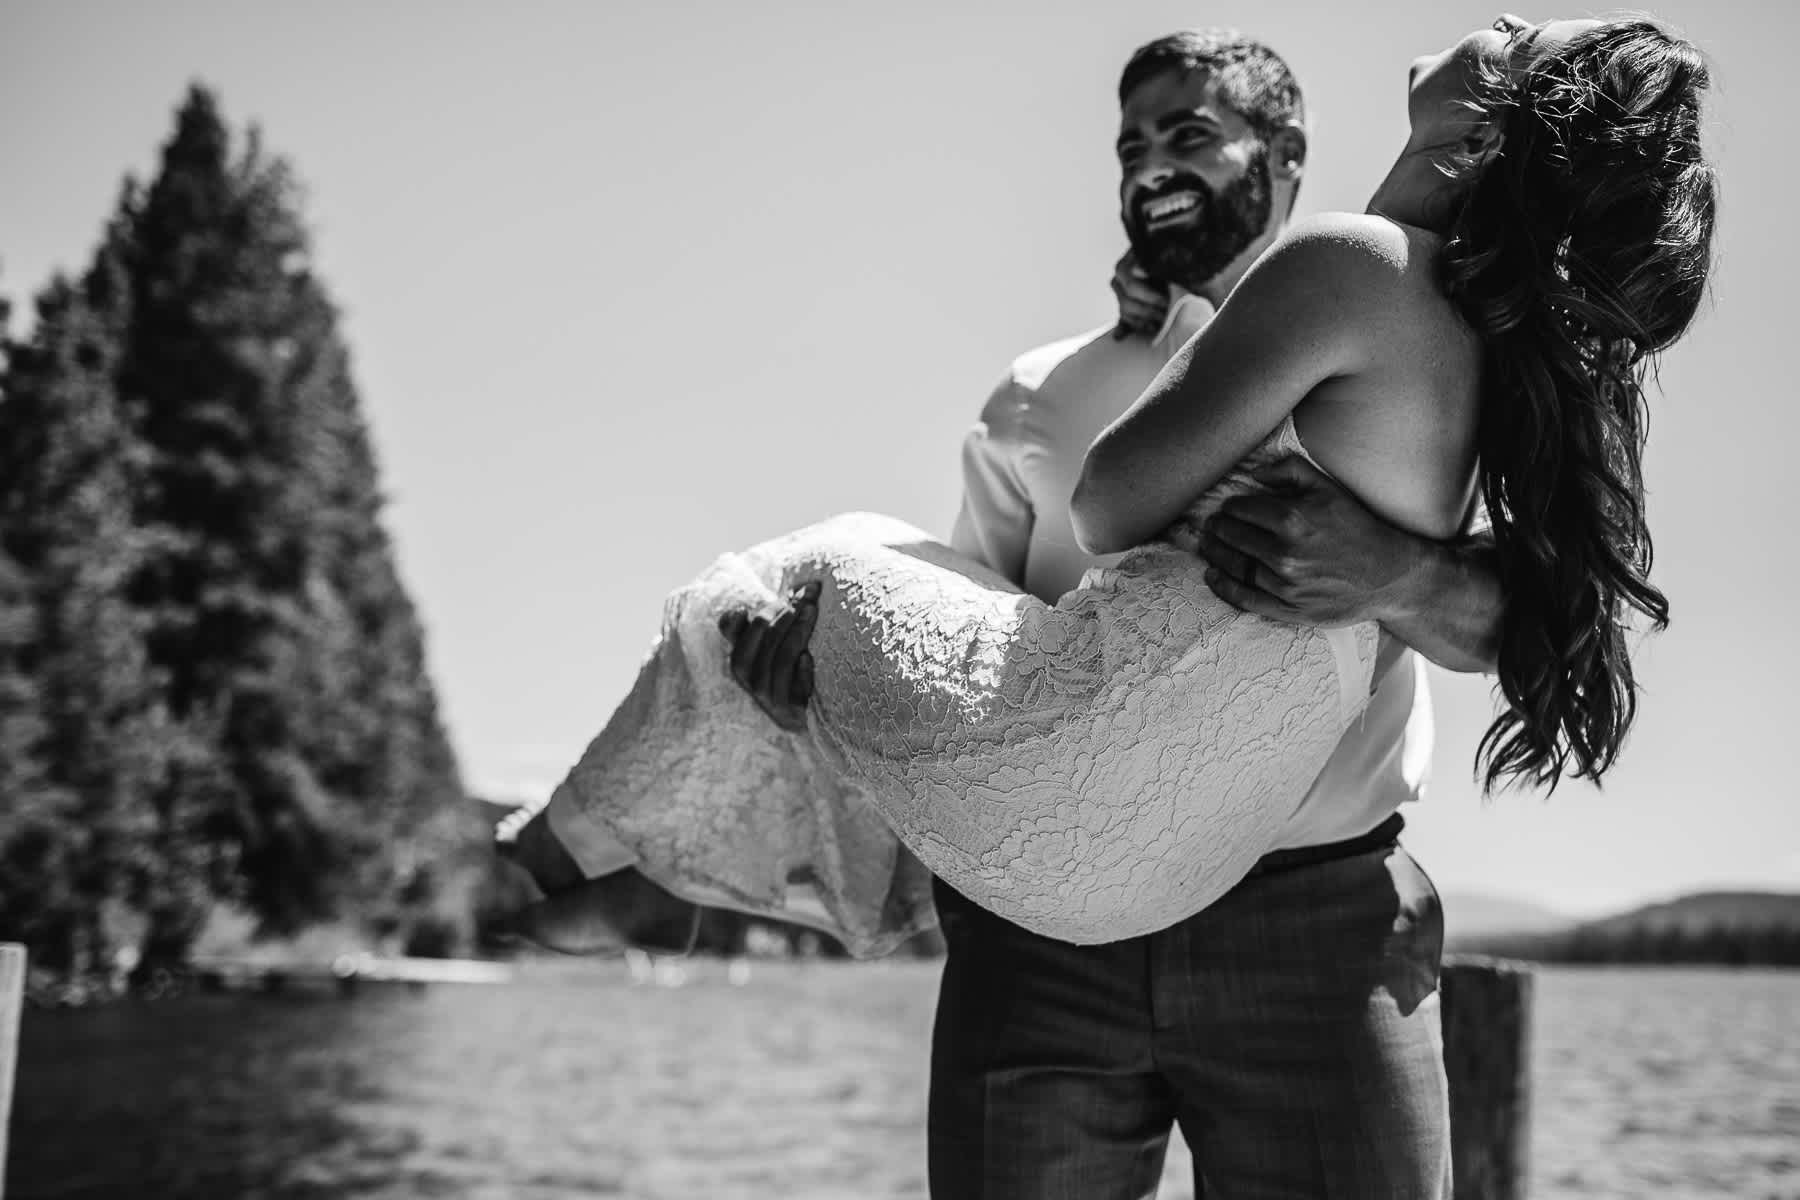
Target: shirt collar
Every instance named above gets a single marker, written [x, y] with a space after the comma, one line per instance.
[1187, 313]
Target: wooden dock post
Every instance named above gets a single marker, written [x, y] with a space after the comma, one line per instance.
[1487, 1054]
[12, 1002]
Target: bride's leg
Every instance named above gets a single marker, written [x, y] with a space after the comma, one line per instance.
[526, 839]
[616, 912]
[578, 915]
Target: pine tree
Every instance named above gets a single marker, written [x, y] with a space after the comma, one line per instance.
[212, 680]
[398, 750]
[37, 826]
[25, 794]
[224, 591]
[379, 734]
[381, 741]
[35, 822]
[275, 611]
[70, 468]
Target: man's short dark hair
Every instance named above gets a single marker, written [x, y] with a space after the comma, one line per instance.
[1251, 78]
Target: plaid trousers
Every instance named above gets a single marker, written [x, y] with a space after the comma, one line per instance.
[1291, 1029]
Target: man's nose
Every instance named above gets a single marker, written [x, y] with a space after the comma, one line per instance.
[1154, 174]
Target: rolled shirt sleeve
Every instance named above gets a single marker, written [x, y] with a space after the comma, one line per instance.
[995, 521]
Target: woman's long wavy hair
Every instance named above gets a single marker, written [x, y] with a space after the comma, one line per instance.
[1579, 250]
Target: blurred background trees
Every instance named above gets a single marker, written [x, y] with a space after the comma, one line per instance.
[212, 681]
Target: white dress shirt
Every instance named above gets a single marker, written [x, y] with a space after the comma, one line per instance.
[1020, 465]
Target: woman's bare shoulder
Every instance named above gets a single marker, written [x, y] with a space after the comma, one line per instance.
[1382, 273]
[1373, 250]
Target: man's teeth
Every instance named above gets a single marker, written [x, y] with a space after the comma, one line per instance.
[1168, 206]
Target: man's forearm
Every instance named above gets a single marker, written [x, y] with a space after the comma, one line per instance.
[1448, 604]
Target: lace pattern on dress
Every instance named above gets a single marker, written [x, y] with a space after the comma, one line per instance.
[1091, 770]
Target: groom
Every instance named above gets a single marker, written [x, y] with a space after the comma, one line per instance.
[1291, 1028]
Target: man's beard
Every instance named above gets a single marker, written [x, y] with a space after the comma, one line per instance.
[1229, 221]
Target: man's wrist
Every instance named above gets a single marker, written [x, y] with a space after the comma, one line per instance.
[1421, 574]
[1446, 603]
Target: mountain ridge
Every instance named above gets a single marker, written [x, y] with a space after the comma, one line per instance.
[1726, 927]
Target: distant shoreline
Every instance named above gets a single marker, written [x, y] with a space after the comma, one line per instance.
[1713, 929]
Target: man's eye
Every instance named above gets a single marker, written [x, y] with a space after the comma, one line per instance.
[1193, 137]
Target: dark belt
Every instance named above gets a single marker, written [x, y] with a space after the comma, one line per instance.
[1380, 837]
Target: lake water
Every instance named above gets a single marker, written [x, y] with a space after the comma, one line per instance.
[804, 1080]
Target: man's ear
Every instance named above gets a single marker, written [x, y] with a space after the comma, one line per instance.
[1287, 152]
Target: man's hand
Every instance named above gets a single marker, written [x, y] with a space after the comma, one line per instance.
[770, 659]
[1307, 552]
[1143, 302]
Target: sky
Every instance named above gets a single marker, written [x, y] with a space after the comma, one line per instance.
[628, 285]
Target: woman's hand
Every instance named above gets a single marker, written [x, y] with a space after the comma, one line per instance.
[1143, 302]
[770, 659]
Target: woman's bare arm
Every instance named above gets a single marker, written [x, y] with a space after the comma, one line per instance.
[1301, 316]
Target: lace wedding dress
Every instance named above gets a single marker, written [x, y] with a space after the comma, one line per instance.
[1091, 770]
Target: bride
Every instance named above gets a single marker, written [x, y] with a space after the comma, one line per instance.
[1108, 765]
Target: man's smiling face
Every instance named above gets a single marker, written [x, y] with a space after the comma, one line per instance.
[1194, 185]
